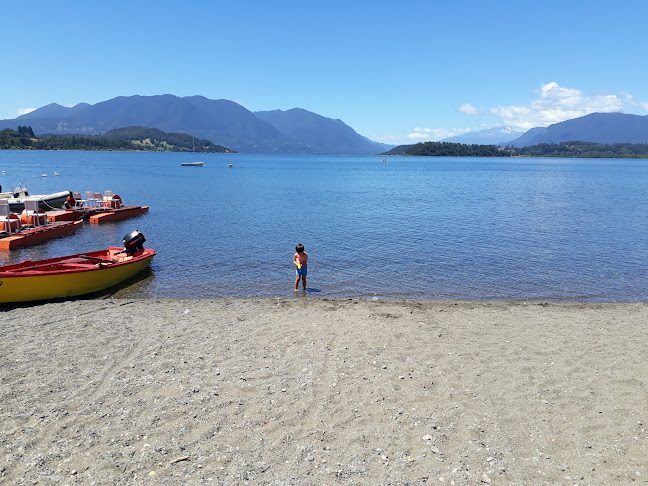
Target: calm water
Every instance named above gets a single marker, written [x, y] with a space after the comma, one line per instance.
[432, 228]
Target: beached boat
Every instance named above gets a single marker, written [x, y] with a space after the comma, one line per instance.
[74, 275]
[17, 197]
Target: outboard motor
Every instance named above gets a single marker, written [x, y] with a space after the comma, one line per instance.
[134, 241]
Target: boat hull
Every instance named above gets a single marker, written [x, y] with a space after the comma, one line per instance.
[46, 202]
[35, 285]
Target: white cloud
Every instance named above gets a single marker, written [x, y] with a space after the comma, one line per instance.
[24, 111]
[468, 109]
[628, 98]
[554, 104]
[551, 103]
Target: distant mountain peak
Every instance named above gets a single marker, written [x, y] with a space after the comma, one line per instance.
[488, 136]
[595, 127]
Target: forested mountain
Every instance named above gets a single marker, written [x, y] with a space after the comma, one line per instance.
[128, 138]
[221, 121]
[320, 134]
[53, 110]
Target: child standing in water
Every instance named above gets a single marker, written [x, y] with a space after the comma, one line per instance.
[301, 261]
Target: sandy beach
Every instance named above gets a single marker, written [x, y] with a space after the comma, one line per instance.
[310, 391]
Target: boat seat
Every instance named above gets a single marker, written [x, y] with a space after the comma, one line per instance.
[9, 222]
[79, 202]
[110, 201]
[33, 215]
[72, 266]
[93, 199]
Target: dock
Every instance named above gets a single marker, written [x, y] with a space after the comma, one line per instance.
[98, 215]
[39, 234]
[118, 214]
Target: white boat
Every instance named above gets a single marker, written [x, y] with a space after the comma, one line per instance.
[46, 202]
[193, 164]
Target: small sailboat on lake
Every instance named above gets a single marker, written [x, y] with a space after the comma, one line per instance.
[193, 164]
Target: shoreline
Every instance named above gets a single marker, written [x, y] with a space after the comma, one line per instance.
[321, 390]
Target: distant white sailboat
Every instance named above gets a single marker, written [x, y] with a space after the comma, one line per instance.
[193, 164]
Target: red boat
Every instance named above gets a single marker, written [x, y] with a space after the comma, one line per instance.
[74, 275]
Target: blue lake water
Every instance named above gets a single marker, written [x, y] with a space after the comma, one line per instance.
[425, 228]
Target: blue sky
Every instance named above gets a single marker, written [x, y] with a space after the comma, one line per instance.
[397, 72]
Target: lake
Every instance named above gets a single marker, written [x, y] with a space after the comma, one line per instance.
[422, 228]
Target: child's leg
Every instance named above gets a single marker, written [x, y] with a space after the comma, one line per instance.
[297, 282]
[304, 282]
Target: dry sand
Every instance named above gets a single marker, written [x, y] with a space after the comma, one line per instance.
[316, 391]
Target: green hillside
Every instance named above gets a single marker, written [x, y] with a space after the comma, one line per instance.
[120, 139]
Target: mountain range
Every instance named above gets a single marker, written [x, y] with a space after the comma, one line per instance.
[595, 127]
[223, 122]
[294, 131]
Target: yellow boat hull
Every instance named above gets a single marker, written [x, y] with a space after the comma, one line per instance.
[69, 284]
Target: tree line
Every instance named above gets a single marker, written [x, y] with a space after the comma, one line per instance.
[587, 150]
[121, 139]
[449, 149]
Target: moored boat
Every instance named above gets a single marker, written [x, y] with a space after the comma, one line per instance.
[192, 164]
[74, 275]
[17, 197]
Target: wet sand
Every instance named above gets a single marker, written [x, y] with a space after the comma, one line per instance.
[316, 391]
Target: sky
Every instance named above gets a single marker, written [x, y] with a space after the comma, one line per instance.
[397, 72]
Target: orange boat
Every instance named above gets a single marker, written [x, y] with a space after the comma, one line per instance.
[74, 275]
